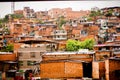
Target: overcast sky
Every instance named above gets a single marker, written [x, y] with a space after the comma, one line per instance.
[5, 7]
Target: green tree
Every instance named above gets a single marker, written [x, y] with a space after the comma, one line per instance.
[109, 13]
[88, 44]
[5, 30]
[95, 13]
[10, 47]
[13, 16]
[73, 45]
[17, 16]
[61, 21]
[41, 22]
[1, 23]
[6, 18]
[89, 19]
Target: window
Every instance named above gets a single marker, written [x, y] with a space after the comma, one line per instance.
[62, 31]
[48, 46]
[20, 54]
[63, 36]
[84, 32]
[58, 36]
[55, 32]
[38, 45]
[21, 63]
[41, 53]
[117, 29]
[29, 63]
[32, 55]
[25, 46]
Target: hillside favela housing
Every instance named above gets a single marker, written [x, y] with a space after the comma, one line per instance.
[60, 44]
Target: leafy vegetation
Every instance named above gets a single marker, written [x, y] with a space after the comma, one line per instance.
[89, 19]
[13, 16]
[41, 22]
[73, 45]
[109, 13]
[5, 30]
[95, 13]
[60, 22]
[8, 48]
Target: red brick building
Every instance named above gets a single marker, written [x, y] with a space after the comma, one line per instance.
[67, 13]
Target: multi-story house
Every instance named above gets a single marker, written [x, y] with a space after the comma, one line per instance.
[55, 12]
[16, 29]
[110, 8]
[67, 13]
[42, 15]
[18, 12]
[45, 30]
[81, 31]
[109, 49]
[76, 14]
[23, 27]
[28, 13]
[59, 35]
[30, 52]
[106, 58]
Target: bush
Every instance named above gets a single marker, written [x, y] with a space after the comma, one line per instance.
[73, 45]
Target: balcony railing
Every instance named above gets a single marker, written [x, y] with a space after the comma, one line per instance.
[58, 33]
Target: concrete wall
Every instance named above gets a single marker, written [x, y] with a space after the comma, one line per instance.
[95, 70]
[98, 69]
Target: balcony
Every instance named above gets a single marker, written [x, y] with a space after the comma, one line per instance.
[59, 33]
[61, 38]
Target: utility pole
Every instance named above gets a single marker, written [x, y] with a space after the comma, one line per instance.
[12, 7]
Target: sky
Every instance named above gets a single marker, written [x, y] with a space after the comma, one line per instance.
[5, 7]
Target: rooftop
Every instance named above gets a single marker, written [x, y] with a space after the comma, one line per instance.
[115, 58]
[36, 41]
[65, 60]
[103, 45]
[43, 25]
[6, 53]
[68, 53]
